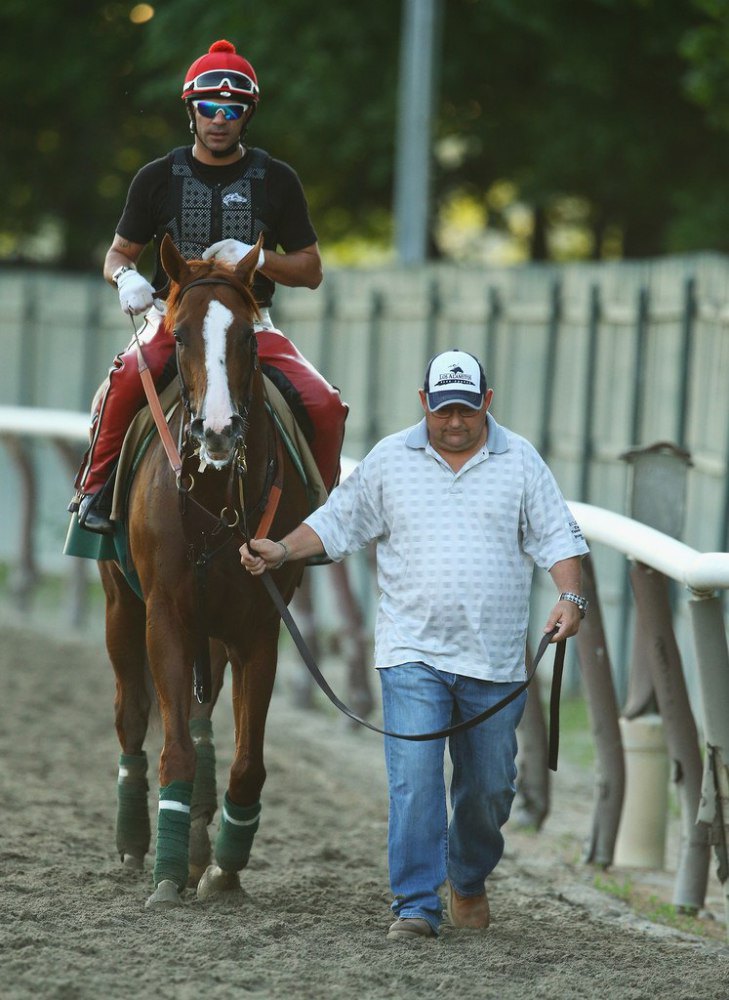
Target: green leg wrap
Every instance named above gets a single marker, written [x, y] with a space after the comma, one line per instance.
[204, 790]
[132, 814]
[173, 833]
[238, 826]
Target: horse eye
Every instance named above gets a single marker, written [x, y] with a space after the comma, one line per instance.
[177, 334]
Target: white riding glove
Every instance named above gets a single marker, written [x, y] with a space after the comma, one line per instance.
[231, 251]
[135, 292]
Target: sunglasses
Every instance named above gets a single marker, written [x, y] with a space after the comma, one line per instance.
[222, 79]
[231, 112]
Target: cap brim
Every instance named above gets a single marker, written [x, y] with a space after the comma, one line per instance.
[437, 400]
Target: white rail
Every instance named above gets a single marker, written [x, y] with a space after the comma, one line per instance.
[701, 572]
[59, 424]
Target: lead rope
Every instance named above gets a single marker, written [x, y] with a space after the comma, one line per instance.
[460, 727]
[202, 682]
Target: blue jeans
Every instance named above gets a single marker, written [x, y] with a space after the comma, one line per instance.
[423, 849]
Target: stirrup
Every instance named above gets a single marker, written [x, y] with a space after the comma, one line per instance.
[94, 516]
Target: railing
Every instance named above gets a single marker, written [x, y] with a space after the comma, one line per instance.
[656, 671]
[656, 677]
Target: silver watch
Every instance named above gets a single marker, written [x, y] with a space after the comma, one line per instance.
[120, 271]
[581, 602]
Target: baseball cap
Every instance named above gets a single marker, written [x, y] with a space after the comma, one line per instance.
[454, 378]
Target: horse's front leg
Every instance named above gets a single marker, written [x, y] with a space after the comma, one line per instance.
[204, 792]
[170, 651]
[252, 688]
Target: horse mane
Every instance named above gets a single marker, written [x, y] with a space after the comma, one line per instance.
[210, 269]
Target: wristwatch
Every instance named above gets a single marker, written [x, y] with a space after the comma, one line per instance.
[120, 271]
[581, 602]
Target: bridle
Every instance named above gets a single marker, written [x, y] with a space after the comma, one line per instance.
[242, 413]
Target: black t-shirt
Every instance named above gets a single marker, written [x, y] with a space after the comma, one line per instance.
[283, 210]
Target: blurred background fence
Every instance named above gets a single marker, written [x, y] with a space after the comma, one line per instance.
[587, 361]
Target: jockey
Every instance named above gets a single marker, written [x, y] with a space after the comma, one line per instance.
[214, 198]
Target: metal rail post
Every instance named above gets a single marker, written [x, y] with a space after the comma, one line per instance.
[712, 657]
[663, 661]
[24, 578]
[603, 706]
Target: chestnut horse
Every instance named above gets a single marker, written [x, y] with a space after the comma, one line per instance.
[184, 532]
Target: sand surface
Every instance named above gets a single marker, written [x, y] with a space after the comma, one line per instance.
[312, 916]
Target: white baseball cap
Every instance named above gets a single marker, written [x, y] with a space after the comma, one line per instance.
[454, 378]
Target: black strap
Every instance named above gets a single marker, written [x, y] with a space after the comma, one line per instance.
[441, 733]
[554, 703]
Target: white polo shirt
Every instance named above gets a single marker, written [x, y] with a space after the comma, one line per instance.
[455, 550]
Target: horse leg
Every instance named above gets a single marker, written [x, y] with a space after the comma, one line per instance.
[252, 688]
[125, 643]
[170, 660]
[204, 790]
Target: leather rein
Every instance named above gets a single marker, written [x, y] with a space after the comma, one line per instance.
[271, 496]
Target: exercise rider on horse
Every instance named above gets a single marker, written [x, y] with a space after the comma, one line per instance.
[214, 199]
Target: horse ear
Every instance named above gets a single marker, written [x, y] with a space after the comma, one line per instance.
[246, 268]
[173, 262]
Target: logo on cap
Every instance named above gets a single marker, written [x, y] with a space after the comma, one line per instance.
[454, 376]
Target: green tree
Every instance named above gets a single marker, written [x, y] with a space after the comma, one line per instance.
[618, 105]
[586, 98]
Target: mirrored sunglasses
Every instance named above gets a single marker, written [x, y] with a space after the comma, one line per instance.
[222, 79]
[231, 112]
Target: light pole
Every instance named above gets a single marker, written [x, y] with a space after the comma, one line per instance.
[419, 54]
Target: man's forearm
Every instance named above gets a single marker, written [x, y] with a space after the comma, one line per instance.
[301, 269]
[302, 543]
[261, 554]
[567, 575]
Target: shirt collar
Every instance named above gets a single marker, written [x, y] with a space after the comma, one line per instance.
[496, 439]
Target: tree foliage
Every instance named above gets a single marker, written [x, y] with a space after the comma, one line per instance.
[619, 103]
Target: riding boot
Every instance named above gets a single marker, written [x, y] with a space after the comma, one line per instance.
[94, 509]
[94, 514]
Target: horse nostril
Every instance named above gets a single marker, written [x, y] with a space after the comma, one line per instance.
[237, 426]
[196, 428]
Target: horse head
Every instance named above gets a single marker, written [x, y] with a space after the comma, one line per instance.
[211, 310]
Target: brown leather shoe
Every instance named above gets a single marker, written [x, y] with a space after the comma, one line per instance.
[468, 911]
[410, 928]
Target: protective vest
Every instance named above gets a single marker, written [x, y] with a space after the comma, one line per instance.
[205, 214]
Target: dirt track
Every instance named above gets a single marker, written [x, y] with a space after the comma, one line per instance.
[311, 920]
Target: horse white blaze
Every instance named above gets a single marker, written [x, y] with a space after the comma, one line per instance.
[217, 405]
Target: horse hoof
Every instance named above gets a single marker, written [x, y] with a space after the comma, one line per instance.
[216, 880]
[130, 863]
[164, 897]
